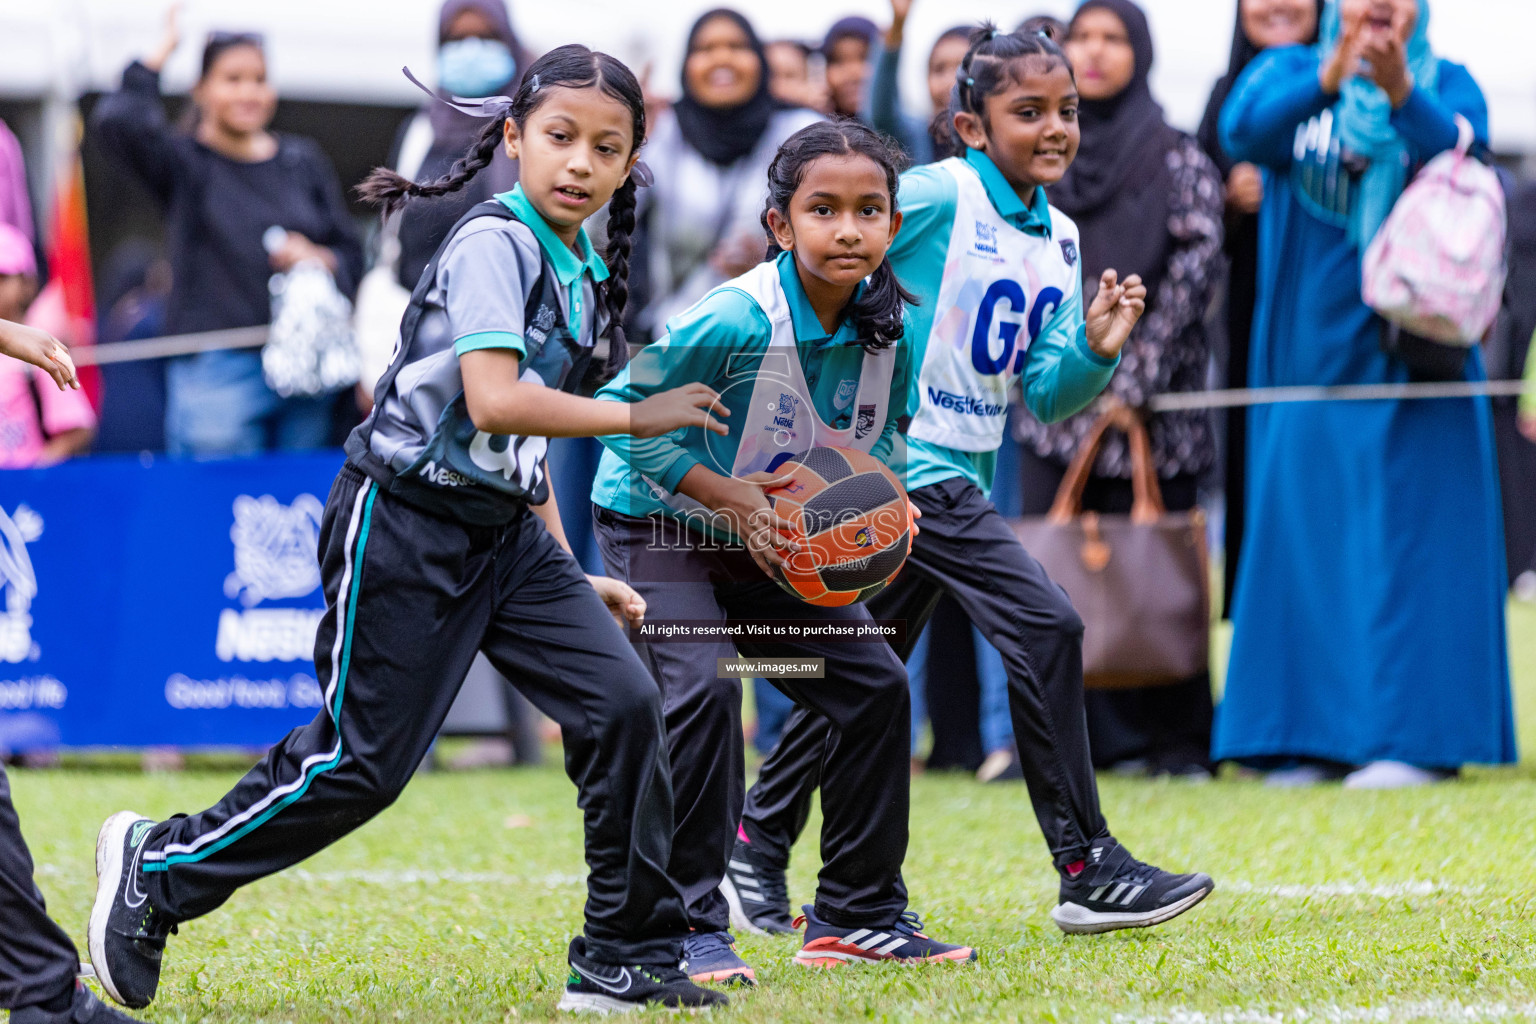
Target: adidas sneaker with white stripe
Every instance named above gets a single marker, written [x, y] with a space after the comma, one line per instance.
[827, 945]
[755, 891]
[1115, 890]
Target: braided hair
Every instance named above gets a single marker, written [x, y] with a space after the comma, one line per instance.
[989, 67]
[572, 67]
[878, 310]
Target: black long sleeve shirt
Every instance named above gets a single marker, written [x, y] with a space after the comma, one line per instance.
[217, 208]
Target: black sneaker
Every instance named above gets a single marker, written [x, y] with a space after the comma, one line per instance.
[84, 1008]
[127, 934]
[755, 890]
[606, 988]
[827, 945]
[1115, 890]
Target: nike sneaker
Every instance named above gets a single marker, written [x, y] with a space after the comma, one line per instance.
[1115, 890]
[755, 890]
[81, 1007]
[607, 988]
[126, 934]
[711, 956]
[827, 945]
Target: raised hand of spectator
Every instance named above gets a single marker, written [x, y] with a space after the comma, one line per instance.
[1386, 58]
[42, 350]
[169, 41]
[899, 11]
[1245, 188]
[1344, 61]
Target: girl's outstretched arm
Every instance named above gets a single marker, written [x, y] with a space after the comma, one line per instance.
[499, 403]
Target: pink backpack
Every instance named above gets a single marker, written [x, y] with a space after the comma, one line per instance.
[1436, 267]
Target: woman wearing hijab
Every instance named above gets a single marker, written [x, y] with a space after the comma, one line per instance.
[478, 54]
[1146, 201]
[710, 153]
[1260, 24]
[1368, 620]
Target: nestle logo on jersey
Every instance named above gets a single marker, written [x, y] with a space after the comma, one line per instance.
[966, 405]
[445, 477]
[543, 320]
[785, 417]
[986, 238]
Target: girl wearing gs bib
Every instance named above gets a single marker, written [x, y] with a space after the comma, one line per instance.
[441, 538]
[999, 292]
[805, 351]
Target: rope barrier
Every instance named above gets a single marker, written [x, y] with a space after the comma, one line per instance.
[1233, 397]
[1228, 398]
[168, 346]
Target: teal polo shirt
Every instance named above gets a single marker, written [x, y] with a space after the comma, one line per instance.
[721, 341]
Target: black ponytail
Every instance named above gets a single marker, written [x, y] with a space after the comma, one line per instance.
[391, 191]
[569, 67]
[621, 229]
[990, 65]
[878, 310]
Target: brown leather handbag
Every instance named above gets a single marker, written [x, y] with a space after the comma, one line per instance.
[1141, 581]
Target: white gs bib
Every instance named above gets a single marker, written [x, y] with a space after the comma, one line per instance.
[1000, 287]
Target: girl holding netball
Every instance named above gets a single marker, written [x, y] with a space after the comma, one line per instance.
[806, 350]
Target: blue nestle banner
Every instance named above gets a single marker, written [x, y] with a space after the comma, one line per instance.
[160, 601]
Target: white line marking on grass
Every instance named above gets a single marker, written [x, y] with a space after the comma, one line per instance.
[1333, 890]
[1431, 1009]
[553, 880]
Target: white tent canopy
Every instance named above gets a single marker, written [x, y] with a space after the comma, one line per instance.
[352, 50]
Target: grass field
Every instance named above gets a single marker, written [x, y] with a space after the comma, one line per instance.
[457, 903]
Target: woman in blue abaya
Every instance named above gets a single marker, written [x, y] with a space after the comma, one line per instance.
[1369, 631]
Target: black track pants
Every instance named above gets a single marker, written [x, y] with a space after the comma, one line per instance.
[967, 550]
[411, 598]
[38, 963]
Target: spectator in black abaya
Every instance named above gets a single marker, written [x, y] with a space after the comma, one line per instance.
[1146, 201]
[1509, 353]
[1258, 25]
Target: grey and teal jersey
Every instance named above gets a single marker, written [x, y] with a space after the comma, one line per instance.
[999, 296]
[498, 282]
[722, 341]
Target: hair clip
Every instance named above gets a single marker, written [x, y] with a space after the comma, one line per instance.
[641, 175]
[535, 86]
[970, 83]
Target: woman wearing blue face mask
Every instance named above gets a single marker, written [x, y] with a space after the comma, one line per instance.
[479, 54]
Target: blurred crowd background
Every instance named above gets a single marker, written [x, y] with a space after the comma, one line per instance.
[144, 163]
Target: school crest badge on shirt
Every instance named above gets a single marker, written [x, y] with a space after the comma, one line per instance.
[1069, 251]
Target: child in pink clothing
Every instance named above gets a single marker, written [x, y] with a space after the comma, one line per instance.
[40, 425]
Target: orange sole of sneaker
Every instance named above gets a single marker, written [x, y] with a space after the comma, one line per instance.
[826, 959]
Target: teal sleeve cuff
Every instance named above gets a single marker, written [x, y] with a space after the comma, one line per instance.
[1081, 338]
[490, 339]
[675, 472]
